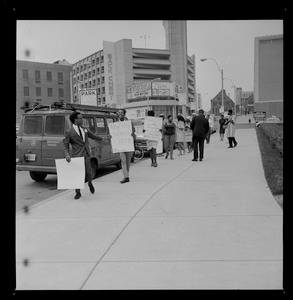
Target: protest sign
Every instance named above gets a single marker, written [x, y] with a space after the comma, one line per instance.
[70, 175]
[122, 140]
[152, 126]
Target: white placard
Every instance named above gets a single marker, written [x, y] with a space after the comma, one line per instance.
[70, 175]
[122, 140]
[152, 126]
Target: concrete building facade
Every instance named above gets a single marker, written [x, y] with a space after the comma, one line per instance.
[268, 75]
[42, 83]
[119, 66]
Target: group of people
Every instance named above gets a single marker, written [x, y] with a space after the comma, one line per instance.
[193, 132]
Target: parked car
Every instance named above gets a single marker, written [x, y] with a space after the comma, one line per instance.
[42, 131]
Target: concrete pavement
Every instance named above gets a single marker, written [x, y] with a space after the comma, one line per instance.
[183, 225]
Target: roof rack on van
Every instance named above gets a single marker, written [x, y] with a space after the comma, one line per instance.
[71, 106]
[89, 108]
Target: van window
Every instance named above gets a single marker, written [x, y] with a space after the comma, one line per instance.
[101, 126]
[54, 125]
[89, 123]
[33, 125]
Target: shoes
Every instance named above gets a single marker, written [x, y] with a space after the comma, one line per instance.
[92, 189]
[230, 147]
[195, 159]
[171, 157]
[166, 156]
[155, 164]
[200, 159]
[124, 180]
[235, 144]
[77, 196]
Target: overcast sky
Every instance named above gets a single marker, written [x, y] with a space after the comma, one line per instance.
[230, 43]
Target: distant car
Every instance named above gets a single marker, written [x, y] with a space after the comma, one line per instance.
[272, 119]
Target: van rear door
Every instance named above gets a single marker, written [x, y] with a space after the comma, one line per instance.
[54, 130]
[30, 140]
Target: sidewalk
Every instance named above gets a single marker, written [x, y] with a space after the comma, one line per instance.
[183, 225]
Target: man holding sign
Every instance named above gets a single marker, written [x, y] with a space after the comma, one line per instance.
[77, 137]
[122, 135]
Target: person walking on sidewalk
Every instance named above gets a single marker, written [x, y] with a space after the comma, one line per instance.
[231, 129]
[211, 126]
[180, 134]
[168, 133]
[223, 125]
[152, 145]
[200, 127]
[77, 137]
[125, 156]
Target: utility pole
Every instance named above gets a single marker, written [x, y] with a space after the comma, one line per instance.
[145, 37]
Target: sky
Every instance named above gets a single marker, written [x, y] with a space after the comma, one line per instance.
[230, 43]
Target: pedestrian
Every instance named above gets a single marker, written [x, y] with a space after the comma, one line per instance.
[188, 135]
[125, 156]
[168, 132]
[223, 126]
[77, 136]
[231, 129]
[180, 134]
[152, 145]
[211, 126]
[200, 127]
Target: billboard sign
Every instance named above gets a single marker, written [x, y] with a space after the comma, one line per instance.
[88, 97]
[138, 91]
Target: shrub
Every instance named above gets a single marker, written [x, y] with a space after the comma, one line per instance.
[274, 132]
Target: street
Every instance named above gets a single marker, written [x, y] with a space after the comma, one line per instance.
[28, 192]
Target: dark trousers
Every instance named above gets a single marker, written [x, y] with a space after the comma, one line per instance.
[232, 141]
[88, 172]
[198, 144]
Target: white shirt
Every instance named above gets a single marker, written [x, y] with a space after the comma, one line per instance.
[77, 131]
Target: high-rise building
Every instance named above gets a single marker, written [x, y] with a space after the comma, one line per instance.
[268, 75]
[140, 78]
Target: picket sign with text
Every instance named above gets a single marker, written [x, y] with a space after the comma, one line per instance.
[122, 140]
[152, 126]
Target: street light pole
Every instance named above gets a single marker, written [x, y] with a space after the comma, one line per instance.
[222, 79]
[233, 86]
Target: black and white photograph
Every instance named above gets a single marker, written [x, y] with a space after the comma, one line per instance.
[191, 200]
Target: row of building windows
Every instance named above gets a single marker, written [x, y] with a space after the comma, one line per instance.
[38, 76]
[26, 92]
[84, 67]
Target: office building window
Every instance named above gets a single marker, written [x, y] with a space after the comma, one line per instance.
[102, 59]
[94, 82]
[37, 76]
[25, 74]
[38, 91]
[26, 91]
[61, 93]
[90, 74]
[50, 92]
[98, 60]
[94, 72]
[98, 70]
[60, 77]
[49, 76]
[102, 69]
[103, 79]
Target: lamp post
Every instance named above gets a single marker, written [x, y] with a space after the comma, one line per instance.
[145, 37]
[222, 80]
[150, 84]
[233, 86]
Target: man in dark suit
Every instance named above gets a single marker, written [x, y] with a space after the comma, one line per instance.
[78, 136]
[200, 127]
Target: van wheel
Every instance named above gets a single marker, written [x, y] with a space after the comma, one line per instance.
[37, 176]
[93, 169]
[118, 165]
